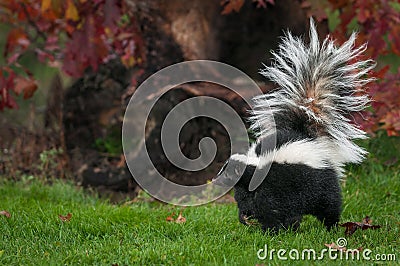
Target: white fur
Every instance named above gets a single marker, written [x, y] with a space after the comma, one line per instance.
[319, 153]
[316, 75]
[243, 158]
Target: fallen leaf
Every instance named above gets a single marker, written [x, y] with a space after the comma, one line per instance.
[170, 218]
[367, 220]
[65, 218]
[5, 213]
[249, 220]
[334, 246]
[351, 227]
[180, 219]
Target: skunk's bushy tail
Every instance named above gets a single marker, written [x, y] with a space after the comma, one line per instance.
[319, 86]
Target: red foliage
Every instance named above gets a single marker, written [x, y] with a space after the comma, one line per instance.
[79, 34]
[76, 34]
[378, 24]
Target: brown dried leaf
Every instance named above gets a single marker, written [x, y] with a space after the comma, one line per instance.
[250, 221]
[5, 213]
[367, 220]
[334, 246]
[351, 227]
[180, 219]
[65, 218]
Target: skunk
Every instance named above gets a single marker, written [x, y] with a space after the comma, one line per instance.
[307, 117]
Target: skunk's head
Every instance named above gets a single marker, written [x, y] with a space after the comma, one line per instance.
[234, 171]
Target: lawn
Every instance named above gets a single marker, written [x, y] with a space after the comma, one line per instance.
[129, 233]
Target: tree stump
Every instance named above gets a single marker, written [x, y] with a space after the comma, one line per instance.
[173, 31]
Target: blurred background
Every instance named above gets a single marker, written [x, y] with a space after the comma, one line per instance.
[68, 69]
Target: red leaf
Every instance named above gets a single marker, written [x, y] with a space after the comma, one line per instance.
[85, 48]
[380, 74]
[65, 218]
[16, 38]
[315, 9]
[346, 17]
[7, 84]
[363, 12]
[5, 213]
[377, 45]
[170, 218]
[336, 4]
[231, 5]
[26, 86]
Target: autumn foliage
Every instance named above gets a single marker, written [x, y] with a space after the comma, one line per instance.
[74, 35]
[378, 24]
[79, 34]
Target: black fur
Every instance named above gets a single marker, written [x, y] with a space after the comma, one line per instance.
[318, 89]
[287, 194]
[282, 136]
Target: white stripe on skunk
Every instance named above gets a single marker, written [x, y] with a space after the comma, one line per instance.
[319, 153]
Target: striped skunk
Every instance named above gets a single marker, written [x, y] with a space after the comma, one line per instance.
[318, 87]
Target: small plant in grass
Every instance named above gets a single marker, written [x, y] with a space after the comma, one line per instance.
[49, 160]
[111, 144]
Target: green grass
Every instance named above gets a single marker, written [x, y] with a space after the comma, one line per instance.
[100, 233]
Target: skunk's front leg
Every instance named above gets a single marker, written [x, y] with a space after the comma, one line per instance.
[244, 199]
